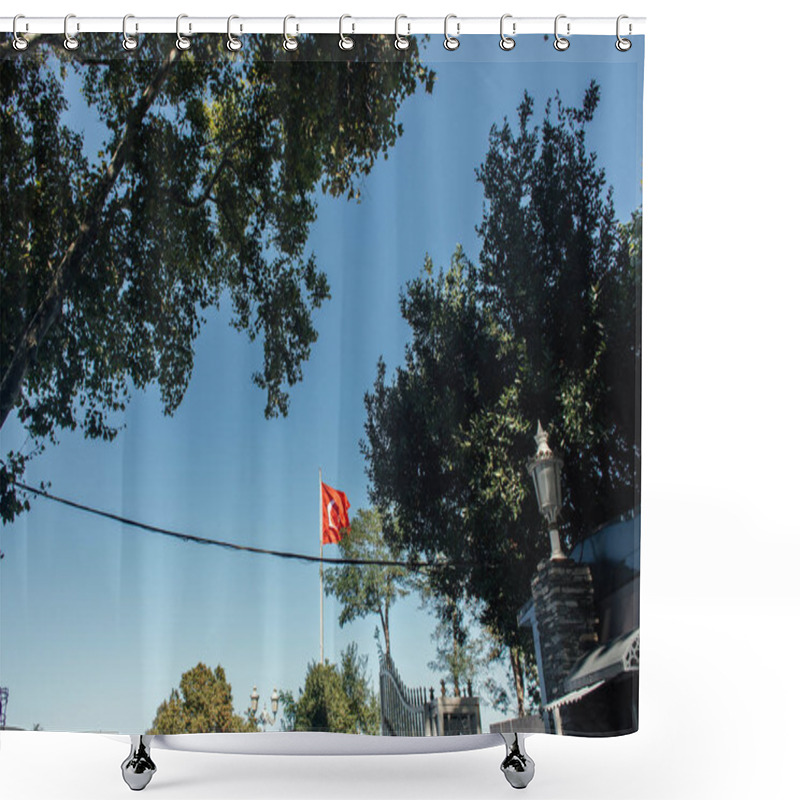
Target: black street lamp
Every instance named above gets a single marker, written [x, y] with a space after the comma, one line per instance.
[545, 469]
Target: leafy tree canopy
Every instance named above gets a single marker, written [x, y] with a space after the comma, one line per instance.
[204, 704]
[544, 326]
[203, 185]
[364, 590]
[338, 699]
[468, 652]
[519, 689]
[457, 653]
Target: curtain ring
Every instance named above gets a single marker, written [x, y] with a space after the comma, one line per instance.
[345, 42]
[20, 42]
[561, 44]
[451, 42]
[289, 42]
[507, 42]
[623, 45]
[70, 42]
[234, 42]
[181, 42]
[128, 42]
[401, 42]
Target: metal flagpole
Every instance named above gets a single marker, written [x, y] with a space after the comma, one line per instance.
[321, 639]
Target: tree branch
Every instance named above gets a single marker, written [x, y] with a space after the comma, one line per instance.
[30, 338]
[206, 193]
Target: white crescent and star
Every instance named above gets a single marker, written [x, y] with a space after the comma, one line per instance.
[331, 524]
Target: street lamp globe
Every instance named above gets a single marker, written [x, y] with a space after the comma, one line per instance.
[264, 718]
[545, 469]
[274, 700]
[254, 701]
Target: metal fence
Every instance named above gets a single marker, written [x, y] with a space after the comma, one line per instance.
[404, 711]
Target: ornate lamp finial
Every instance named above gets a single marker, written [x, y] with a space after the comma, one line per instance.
[544, 450]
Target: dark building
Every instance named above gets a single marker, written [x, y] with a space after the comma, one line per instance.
[584, 613]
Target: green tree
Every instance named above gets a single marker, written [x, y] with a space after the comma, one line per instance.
[335, 699]
[543, 327]
[203, 187]
[522, 682]
[466, 655]
[322, 704]
[204, 704]
[457, 654]
[563, 278]
[367, 589]
[363, 706]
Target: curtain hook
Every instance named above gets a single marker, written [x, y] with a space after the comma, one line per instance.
[70, 42]
[289, 42]
[234, 42]
[20, 42]
[401, 42]
[623, 45]
[129, 42]
[182, 42]
[561, 44]
[345, 42]
[507, 42]
[451, 42]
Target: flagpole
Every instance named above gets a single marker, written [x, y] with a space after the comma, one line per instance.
[321, 635]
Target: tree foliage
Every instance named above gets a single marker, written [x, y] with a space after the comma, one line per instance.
[204, 704]
[469, 653]
[562, 277]
[544, 326]
[337, 699]
[520, 689]
[457, 653]
[364, 590]
[203, 186]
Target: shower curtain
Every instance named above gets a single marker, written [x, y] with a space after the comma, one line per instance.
[320, 385]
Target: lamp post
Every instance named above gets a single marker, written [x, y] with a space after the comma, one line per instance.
[545, 469]
[264, 718]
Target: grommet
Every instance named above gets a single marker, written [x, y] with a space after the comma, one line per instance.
[19, 42]
[561, 44]
[289, 42]
[182, 42]
[345, 42]
[234, 42]
[400, 42]
[70, 42]
[128, 42]
[450, 42]
[507, 42]
[622, 44]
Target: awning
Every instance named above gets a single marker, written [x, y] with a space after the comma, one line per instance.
[566, 699]
[605, 662]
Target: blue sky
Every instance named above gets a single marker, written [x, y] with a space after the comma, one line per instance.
[98, 621]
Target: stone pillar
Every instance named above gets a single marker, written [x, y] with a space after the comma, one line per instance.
[565, 621]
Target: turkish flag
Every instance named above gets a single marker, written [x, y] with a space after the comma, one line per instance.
[335, 520]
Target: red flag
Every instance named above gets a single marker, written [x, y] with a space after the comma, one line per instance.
[335, 520]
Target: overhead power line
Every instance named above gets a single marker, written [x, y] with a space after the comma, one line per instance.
[188, 537]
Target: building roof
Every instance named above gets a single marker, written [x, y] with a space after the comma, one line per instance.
[614, 543]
